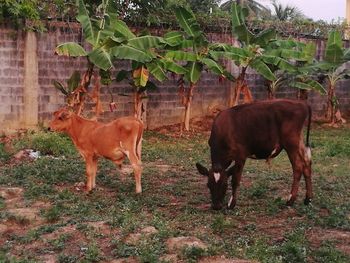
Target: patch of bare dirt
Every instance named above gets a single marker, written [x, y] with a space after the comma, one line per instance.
[222, 259]
[134, 238]
[176, 244]
[197, 124]
[340, 238]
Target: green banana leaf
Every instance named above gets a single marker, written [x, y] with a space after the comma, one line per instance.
[334, 54]
[334, 38]
[188, 22]
[100, 58]
[265, 37]
[173, 67]
[213, 66]
[70, 49]
[310, 85]
[122, 30]
[86, 24]
[157, 70]
[194, 72]
[259, 65]
[145, 42]
[279, 62]
[173, 38]
[73, 81]
[127, 52]
[181, 55]
[239, 27]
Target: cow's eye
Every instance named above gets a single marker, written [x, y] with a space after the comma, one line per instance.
[60, 118]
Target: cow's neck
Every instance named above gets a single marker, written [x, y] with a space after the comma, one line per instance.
[80, 128]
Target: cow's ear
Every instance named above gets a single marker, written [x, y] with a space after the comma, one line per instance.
[202, 170]
[66, 115]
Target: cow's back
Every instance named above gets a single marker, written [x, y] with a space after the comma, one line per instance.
[256, 128]
[119, 130]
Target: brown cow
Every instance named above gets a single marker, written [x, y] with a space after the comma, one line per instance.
[259, 130]
[114, 140]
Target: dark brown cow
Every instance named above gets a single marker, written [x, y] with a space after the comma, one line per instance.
[259, 130]
[114, 140]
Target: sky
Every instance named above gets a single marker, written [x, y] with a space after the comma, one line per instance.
[327, 10]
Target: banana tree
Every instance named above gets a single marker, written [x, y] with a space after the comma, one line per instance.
[332, 68]
[192, 49]
[96, 31]
[146, 62]
[251, 54]
[289, 61]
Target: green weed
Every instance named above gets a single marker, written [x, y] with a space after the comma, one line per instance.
[328, 253]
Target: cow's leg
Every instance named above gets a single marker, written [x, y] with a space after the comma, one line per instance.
[236, 173]
[94, 172]
[307, 175]
[296, 159]
[91, 169]
[136, 165]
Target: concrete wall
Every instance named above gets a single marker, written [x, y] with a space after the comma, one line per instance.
[28, 66]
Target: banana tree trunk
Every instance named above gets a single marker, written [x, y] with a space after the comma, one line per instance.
[331, 104]
[240, 86]
[139, 106]
[302, 94]
[80, 93]
[270, 91]
[188, 103]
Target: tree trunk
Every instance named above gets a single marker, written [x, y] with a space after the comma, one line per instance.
[188, 107]
[270, 91]
[302, 94]
[330, 111]
[241, 87]
[80, 93]
[139, 107]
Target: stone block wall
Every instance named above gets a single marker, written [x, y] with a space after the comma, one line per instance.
[11, 78]
[163, 105]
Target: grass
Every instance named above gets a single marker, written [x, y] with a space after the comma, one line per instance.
[175, 201]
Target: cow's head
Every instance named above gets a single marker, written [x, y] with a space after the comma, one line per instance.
[217, 184]
[61, 120]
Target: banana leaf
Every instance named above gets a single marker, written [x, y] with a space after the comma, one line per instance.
[181, 55]
[100, 58]
[188, 22]
[259, 65]
[145, 42]
[128, 52]
[173, 38]
[86, 24]
[157, 70]
[70, 49]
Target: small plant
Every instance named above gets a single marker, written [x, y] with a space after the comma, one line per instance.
[93, 253]
[294, 248]
[52, 214]
[60, 242]
[63, 258]
[328, 253]
[193, 253]
[220, 224]
[275, 206]
[259, 189]
[4, 155]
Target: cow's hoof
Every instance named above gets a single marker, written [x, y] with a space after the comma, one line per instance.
[290, 202]
[307, 201]
[231, 203]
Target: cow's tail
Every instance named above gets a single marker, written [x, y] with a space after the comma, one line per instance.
[308, 147]
[139, 141]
